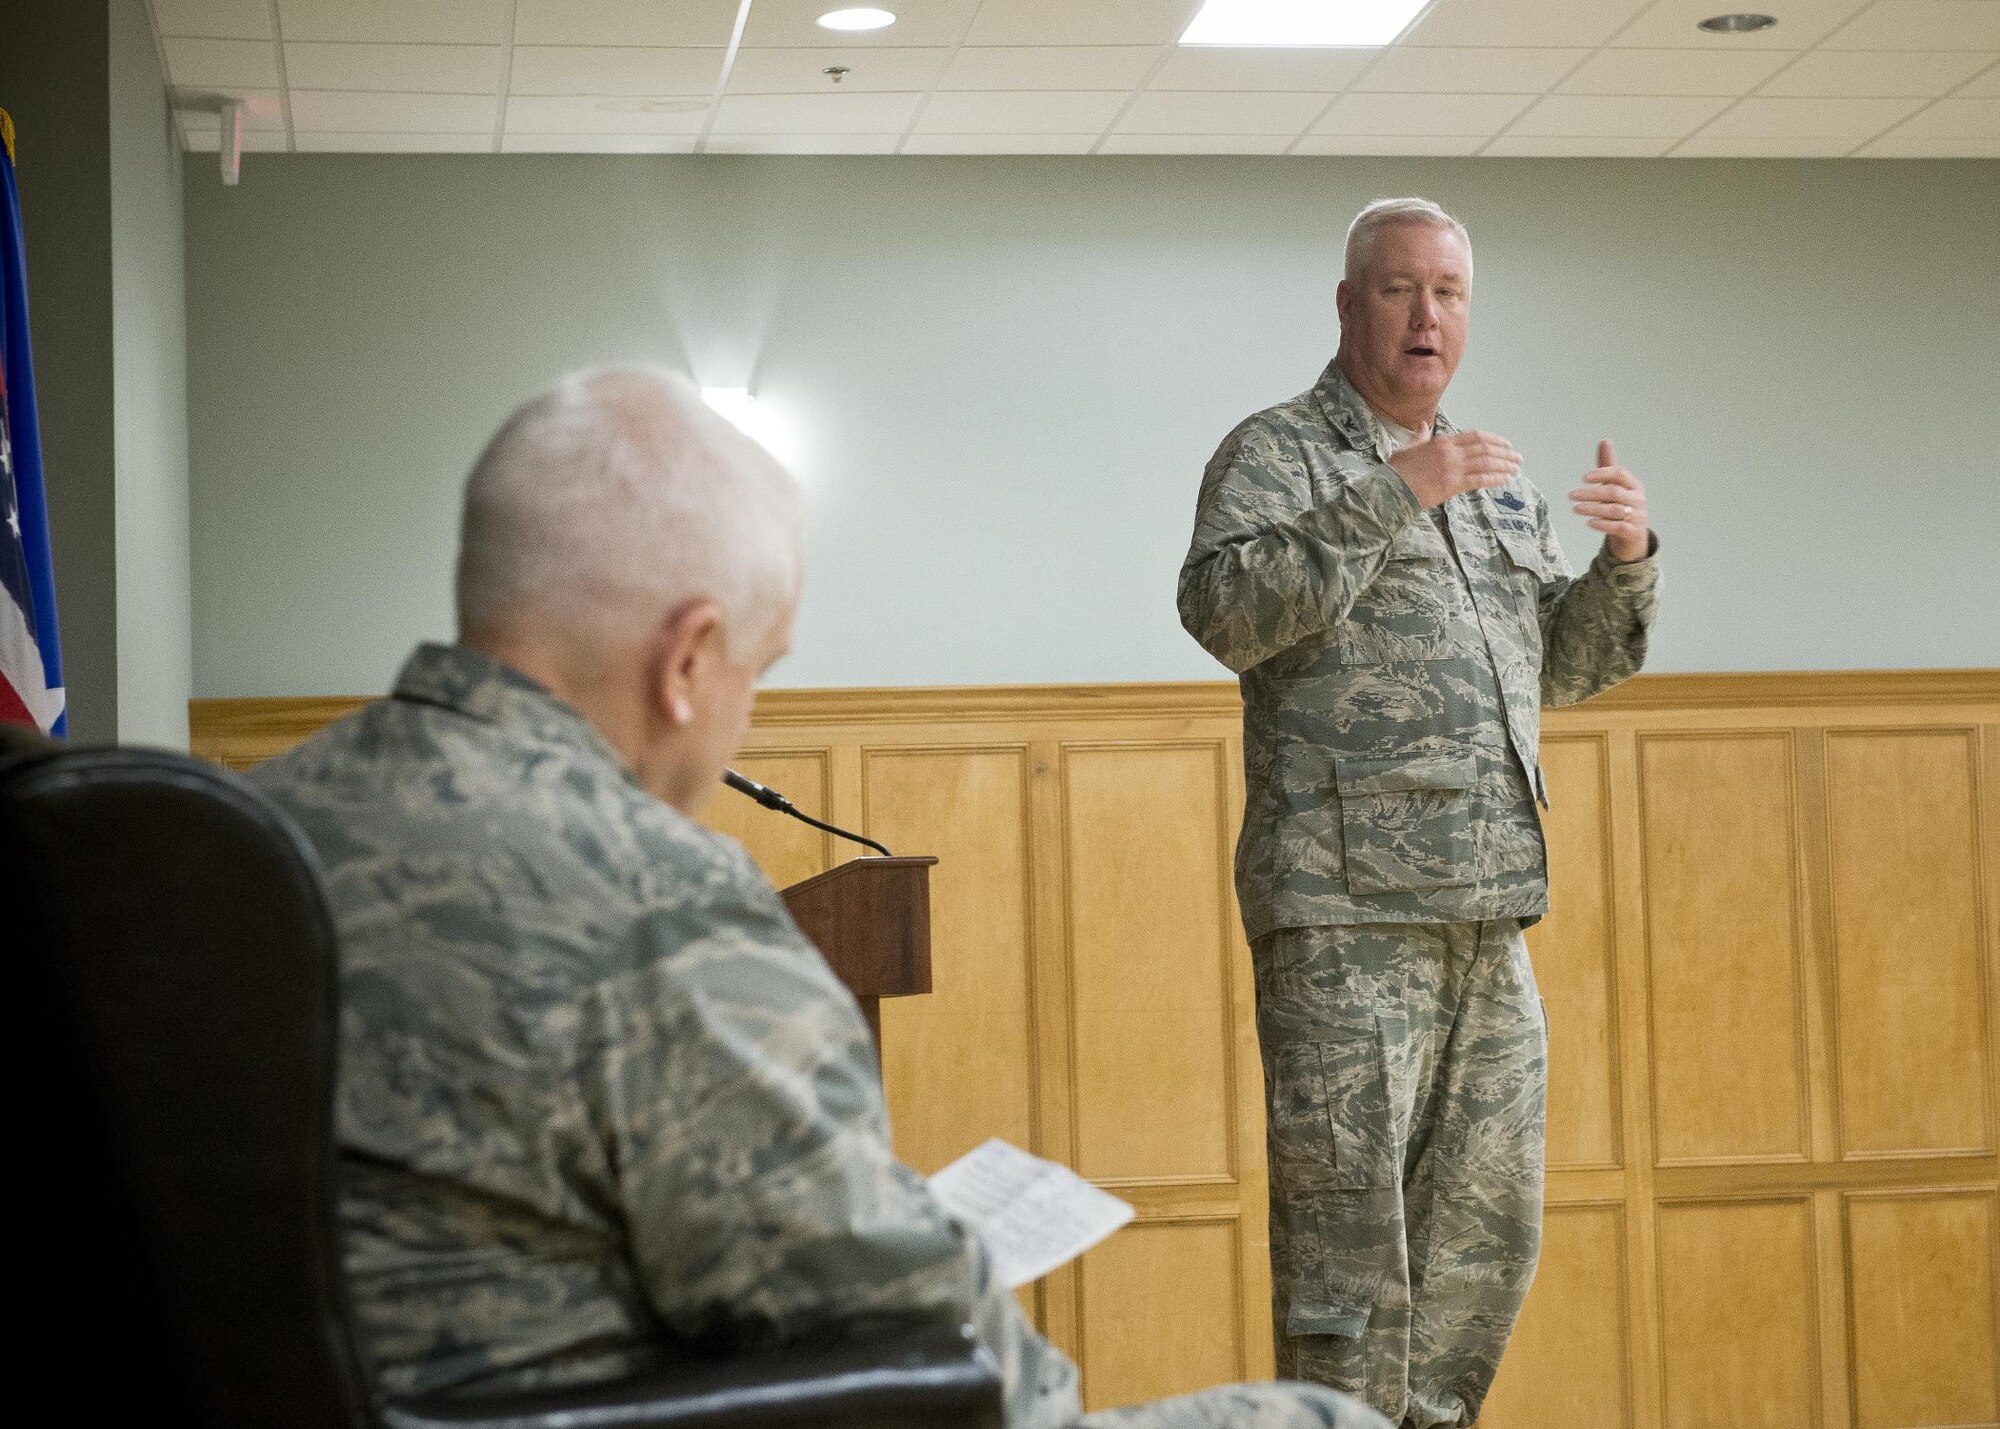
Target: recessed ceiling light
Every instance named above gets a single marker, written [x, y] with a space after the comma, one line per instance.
[1737, 24]
[1318, 23]
[864, 17]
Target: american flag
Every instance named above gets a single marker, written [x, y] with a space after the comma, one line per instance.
[30, 664]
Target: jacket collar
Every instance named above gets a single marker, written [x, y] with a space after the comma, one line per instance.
[481, 688]
[1354, 419]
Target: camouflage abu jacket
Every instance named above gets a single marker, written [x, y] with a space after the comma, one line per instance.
[1393, 669]
[601, 1104]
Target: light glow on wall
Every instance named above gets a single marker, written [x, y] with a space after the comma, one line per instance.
[753, 418]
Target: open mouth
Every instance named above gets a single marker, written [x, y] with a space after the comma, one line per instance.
[1420, 351]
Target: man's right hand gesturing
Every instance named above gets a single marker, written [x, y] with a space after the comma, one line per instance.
[1442, 467]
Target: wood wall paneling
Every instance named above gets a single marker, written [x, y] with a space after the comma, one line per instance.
[1151, 984]
[969, 807]
[1574, 962]
[1770, 971]
[1921, 1304]
[1154, 1323]
[1903, 849]
[1722, 899]
[1737, 1298]
[1569, 1360]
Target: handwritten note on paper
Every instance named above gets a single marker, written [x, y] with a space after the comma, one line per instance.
[1033, 1214]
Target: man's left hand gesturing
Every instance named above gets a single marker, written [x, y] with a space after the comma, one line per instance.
[1611, 500]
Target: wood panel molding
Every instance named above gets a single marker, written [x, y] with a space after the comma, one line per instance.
[278, 722]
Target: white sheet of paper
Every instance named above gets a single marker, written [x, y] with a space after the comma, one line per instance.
[1033, 1214]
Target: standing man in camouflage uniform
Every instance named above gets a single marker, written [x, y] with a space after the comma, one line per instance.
[601, 1105]
[1391, 595]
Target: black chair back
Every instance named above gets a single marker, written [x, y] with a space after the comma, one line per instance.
[176, 973]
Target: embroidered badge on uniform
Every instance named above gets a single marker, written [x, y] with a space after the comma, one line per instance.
[1509, 500]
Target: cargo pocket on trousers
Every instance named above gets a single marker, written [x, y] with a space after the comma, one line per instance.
[1333, 1160]
[1406, 822]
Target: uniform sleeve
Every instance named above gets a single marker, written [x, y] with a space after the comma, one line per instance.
[1594, 626]
[1269, 566]
[736, 1086]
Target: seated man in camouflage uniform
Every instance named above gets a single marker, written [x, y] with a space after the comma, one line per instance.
[601, 1104]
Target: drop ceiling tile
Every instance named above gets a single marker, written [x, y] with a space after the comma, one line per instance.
[598, 143]
[1850, 119]
[1439, 145]
[1987, 86]
[1324, 71]
[1195, 144]
[311, 143]
[209, 141]
[994, 112]
[792, 24]
[1592, 116]
[208, 64]
[1738, 146]
[215, 19]
[1683, 72]
[335, 111]
[1912, 146]
[459, 22]
[1574, 146]
[1217, 112]
[1837, 74]
[614, 69]
[573, 114]
[269, 140]
[815, 113]
[1955, 119]
[1050, 67]
[1674, 25]
[999, 143]
[1921, 25]
[417, 69]
[1081, 22]
[1487, 70]
[1426, 115]
[660, 23]
[263, 109]
[803, 143]
[802, 71]
[1522, 22]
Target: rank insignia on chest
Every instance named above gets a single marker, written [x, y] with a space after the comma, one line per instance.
[1509, 500]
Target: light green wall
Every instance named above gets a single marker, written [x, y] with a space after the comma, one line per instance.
[149, 387]
[1004, 376]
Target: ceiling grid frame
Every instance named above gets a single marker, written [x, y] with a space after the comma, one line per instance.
[1821, 114]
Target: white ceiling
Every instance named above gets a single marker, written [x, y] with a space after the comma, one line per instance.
[1866, 78]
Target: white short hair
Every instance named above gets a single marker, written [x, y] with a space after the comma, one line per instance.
[615, 496]
[1387, 213]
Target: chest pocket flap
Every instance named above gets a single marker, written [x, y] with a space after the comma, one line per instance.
[1523, 549]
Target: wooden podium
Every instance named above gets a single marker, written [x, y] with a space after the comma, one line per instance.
[871, 917]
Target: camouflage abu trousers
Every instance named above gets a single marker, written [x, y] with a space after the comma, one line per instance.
[1405, 1074]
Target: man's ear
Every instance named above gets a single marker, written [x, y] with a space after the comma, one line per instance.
[1343, 299]
[687, 647]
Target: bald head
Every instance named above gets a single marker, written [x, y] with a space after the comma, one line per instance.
[613, 497]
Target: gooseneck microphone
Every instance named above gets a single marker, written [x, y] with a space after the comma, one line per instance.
[771, 799]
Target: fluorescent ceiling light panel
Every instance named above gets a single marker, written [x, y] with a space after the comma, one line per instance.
[1323, 24]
